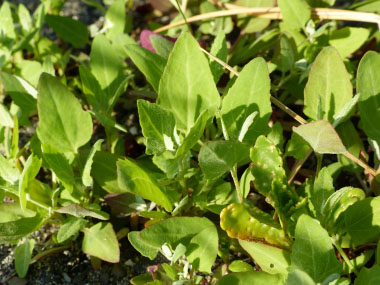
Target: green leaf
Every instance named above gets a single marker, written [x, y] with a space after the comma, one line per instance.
[7, 171]
[249, 278]
[368, 276]
[80, 212]
[26, 21]
[328, 80]
[249, 93]
[218, 157]
[30, 171]
[320, 3]
[72, 31]
[187, 87]
[63, 123]
[295, 13]
[271, 259]
[59, 165]
[193, 135]
[86, 175]
[322, 189]
[361, 223]
[348, 39]
[218, 49]
[240, 266]
[297, 147]
[322, 262]
[6, 23]
[12, 212]
[134, 179]
[286, 53]
[6, 119]
[174, 231]
[70, 227]
[23, 255]
[104, 171]
[12, 231]
[150, 64]
[203, 248]
[162, 46]
[100, 241]
[345, 113]
[144, 248]
[251, 24]
[23, 94]
[115, 19]
[105, 65]
[321, 136]
[368, 86]
[158, 127]
[297, 276]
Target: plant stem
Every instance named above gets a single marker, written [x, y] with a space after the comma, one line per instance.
[345, 257]
[183, 16]
[236, 182]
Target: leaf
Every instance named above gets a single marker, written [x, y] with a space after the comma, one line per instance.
[193, 135]
[150, 64]
[218, 157]
[286, 53]
[348, 39]
[100, 241]
[297, 276]
[59, 165]
[63, 123]
[249, 278]
[158, 127]
[121, 203]
[6, 23]
[30, 171]
[23, 255]
[297, 147]
[361, 222]
[271, 259]
[6, 119]
[345, 113]
[86, 175]
[322, 189]
[315, 256]
[240, 266]
[72, 31]
[12, 212]
[13, 231]
[368, 86]
[329, 80]
[368, 276]
[162, 46]
[249, 93]
[252, 24]
[105, 65]
[295, 13]
[321, 136]
[320, 3]
[203, 248]
[7, 171]
[174, 231]
[187, 87]
[115, 19]
[218, 49]
[79, 212]
[144, 248]
[70, 227]
[134, 179]
[104, 171]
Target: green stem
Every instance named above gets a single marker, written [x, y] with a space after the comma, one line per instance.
[345, 257]
[183, 16]
[182, 180]
[236, 182]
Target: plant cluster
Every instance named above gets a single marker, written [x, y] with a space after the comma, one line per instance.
[233, 186]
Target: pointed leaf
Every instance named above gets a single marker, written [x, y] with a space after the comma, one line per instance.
[368, 276]
[295, 13]
[79, 212]
[249, 93]
[63, 123]
[23, 255]
[86, 175]
[218, 49]
[12, 231]
[158, 127]
[134, 179]
[314, 256]
[323, 188]
[70, 227]
[321, 136]
[348, 39]
[150, 64]
[30, 171]
[218, 157]
[187, 87]
[368, 85]
[100, 241]
[328, 80]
